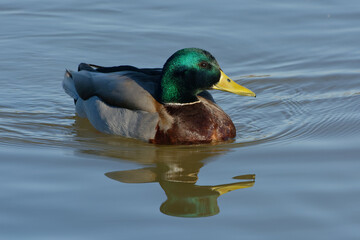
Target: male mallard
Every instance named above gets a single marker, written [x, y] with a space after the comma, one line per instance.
[162, 106]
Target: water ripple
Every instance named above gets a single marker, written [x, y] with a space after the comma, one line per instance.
[283, 115]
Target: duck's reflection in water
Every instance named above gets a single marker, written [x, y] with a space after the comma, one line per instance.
[175, 168]
[184, 198]
[178, 180]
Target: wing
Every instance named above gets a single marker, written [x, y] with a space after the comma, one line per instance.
[135, 90]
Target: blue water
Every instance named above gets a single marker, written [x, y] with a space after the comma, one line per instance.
[291, 172]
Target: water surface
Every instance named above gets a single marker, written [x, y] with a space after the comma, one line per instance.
[291, 172]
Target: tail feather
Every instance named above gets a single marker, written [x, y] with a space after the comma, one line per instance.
[69, 85]
[88, 67]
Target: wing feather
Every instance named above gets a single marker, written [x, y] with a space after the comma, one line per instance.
[131, 90]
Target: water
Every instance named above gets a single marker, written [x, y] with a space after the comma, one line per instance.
[293, 168]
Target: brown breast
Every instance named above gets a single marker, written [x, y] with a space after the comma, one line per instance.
[202, 122]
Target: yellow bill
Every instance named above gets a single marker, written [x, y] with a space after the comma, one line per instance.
[225, 188]
[228, 85]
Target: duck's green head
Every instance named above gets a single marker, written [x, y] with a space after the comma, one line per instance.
[190, 71]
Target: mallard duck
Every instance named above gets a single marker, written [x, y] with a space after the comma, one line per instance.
[168, 105]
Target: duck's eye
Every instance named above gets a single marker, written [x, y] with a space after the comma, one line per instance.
[204, 65]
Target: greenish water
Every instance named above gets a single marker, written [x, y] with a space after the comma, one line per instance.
[291, 173]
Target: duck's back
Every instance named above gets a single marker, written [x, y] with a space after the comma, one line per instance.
[120, 103]
[136, 90]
